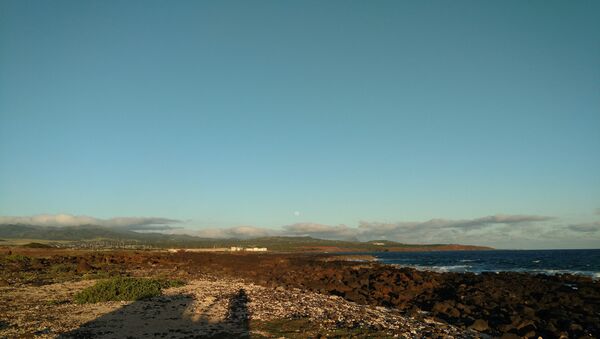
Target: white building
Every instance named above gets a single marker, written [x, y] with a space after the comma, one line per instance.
[256, 249]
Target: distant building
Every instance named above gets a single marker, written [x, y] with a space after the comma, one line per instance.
[256, 249]
[378, 244]
[235, 249]
[214, 249]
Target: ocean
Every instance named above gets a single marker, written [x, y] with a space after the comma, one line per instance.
[581, 262]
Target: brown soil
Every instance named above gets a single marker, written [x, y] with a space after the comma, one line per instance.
[203, 308]
[336, 249]
[506, 304]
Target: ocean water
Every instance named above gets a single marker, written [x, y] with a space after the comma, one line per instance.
[582, 262]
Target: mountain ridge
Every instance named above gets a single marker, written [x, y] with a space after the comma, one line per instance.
[89, 233]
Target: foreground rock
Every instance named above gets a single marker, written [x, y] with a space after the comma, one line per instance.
[205, 307]
[511, 304]
[505, 304]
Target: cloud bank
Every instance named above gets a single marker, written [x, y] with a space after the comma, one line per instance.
[438, 229]
[131, 223]
[590, 227]
[501, 230]
[434, 230]
[321, 231]
[240, 232]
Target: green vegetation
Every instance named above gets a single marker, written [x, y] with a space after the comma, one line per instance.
[307, 243]
[90, 236]
[59, 272]
[61, 268]
[56, 302]
[168, 283]
[37, 245]
[99, 275]
[124, 289]
[17, 258]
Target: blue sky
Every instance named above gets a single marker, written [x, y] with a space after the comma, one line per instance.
[229, 113]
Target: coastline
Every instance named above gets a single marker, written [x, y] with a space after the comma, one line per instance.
[504, 304]
[209, 306]
[547, 262]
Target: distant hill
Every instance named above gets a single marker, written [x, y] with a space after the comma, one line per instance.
[310, 244]
[86, 232]
[90, 233]
[19, 231]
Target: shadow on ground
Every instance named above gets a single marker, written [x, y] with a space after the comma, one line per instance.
[177, 316]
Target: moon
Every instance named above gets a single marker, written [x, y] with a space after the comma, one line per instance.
[297, 213]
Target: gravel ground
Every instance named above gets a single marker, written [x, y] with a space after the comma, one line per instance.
[205, 307]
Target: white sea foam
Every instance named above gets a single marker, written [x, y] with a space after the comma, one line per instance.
[469, 268]
[441, 269]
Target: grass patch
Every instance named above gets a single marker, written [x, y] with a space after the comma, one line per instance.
[17, 258]
[98, 275]
[56, 302]
[37, 245]
[27, 277]
[124, 289]
[61, 268]
[60, 272]
[168, 283]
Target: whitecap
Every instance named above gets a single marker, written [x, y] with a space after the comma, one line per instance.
[442, 269]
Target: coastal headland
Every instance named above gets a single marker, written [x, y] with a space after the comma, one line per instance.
[293, 292]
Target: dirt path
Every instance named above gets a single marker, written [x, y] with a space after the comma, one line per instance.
[203, 308]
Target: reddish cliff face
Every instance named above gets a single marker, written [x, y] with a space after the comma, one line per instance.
[452, 247]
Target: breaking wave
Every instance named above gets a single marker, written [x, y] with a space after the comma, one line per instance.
[549, 262]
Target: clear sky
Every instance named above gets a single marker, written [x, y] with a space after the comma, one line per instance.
[272, 113]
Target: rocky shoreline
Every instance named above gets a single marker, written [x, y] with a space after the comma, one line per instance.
[508, 305]
[202, 309]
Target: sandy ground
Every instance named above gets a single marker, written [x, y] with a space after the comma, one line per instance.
[205, 307]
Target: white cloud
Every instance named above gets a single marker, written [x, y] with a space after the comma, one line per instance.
[506, 231]
[432, 231]
[487, 229]
[321, 231]
[240, 232]
[589, 227]
[133, 223]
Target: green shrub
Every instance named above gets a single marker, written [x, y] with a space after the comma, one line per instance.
[167, 283]
[123, 289]
[61, 268]
[56, 302]
[98, 275]
[37, 245]
[17, 258]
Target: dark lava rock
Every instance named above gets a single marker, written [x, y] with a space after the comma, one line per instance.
[480, 325]
[83, 267]
[510, 303]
